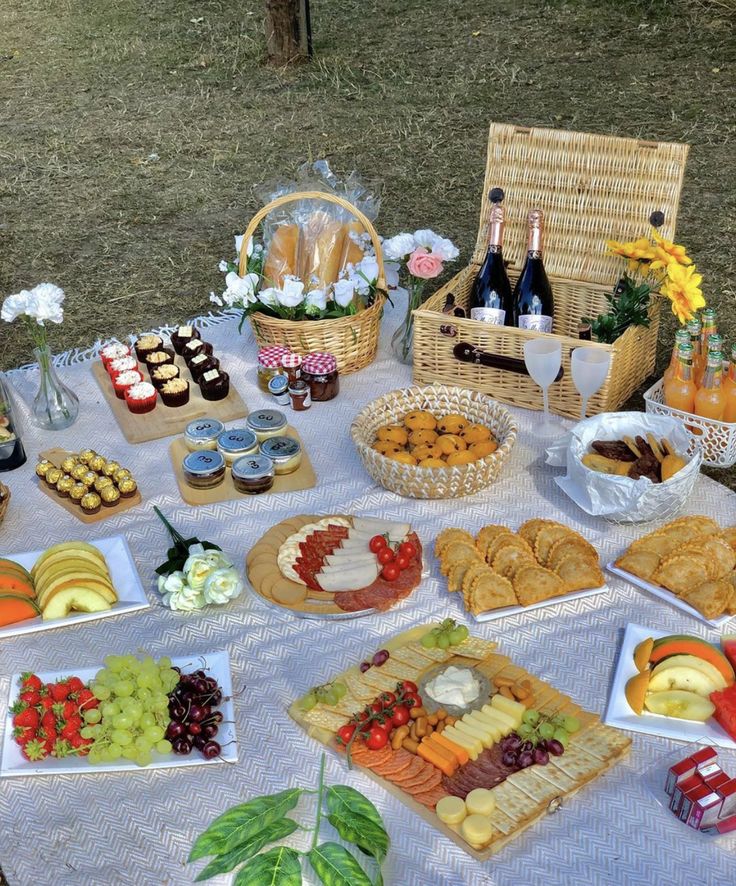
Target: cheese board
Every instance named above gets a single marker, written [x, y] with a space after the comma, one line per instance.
[480, 775]
[335, 566]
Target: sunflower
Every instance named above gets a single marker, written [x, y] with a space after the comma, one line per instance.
[667, 253]
[638, 252]
[682, 288]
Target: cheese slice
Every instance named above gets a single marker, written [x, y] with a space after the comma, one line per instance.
[379, 527]
[483, 735]
[498, 715]
[365, 537]
[485, 723]
[471, 744]
[348, 558]
[339, 578]
[514, 709]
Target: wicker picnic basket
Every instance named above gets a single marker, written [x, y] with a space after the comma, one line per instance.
[592, 188]
[353, 340]
[416, 482]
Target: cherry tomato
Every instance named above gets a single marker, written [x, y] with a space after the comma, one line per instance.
[402, 562]
[386, 725]
[388, 698]
[377, 739]
[400, 715]
[385, 555]
[390, 572]
[413, 700]
[377, 707]
[363, 715]
[408, 686]
[345, 733]
[407, 549]
[376, 543]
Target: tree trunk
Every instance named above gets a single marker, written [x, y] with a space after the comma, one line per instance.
[288, 31]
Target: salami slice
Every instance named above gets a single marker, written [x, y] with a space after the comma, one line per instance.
[410, 773]
[431, 798]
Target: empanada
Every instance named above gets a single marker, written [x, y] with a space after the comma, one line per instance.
[535, 584]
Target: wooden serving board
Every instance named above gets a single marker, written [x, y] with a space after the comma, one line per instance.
[164, 421]
[56, 457]
[303, 478]
[611, 745]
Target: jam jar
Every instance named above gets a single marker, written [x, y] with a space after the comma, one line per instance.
[236, 442]
[284, 452]
[266, 423]
[299, 393]
[204, 469]
[320, 373]
[203, 433]
[253, 474]
[278, 387]
[269, 364]
[292, 365]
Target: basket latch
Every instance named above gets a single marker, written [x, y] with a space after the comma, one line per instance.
[468, 353]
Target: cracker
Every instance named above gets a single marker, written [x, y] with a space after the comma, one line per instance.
[535, 584]
[325, 718]
[562, 782]
[289, 593]
[544, 697]
[492, 665]
[580, 574]
[514, 802]
[602, 742]
[680, 572]
[512, 672]
[475, 647]
[534, 786]
[412, 657]
[348, 705]
[356, 687]
[491, 591]
[400, 670]
[577, 763]
[435, 654]
[259, 571]
[500, 821]
[379, 680]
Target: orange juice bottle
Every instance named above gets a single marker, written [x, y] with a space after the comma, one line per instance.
[680, 390]
[710, 400]
[682, 337]
[694, 328]
[708, 327]
[729, 387]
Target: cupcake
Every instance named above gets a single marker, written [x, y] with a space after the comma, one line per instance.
[64, 485]
[163, 374]
[202, 363]
[146, 344]
[113, 351]
[141, 398]
[124, 380]
[121, 364]
[194, 347]
[78, 491]
[215, 385]
[175, 392]
[90, 503]
[127, 487]
[158, 358]
[102, 483]
[182, 336]
[110, 496]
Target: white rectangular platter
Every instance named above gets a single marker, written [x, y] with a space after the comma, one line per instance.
[619, 714]
[668, 597]
[125, 580]
[215, 664]
[507, 611]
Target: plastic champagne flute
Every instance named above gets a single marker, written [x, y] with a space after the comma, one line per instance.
[589, 371]
[543, 358]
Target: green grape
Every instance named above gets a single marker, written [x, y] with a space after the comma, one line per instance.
[142, 744]
[546, 730]
[94, 757]
[558, 722]
[144, 759]
[144, 696]
[154, 733]
[115, 751]
[341, 690]
[92, 716]
[113, 663]
[571, 724]
[331, 697]
[123, 688]
[443, 641]
[456, 637]
[109, 709]
[129, 753]
[145, 681]
[101, 691]
[525, 731]
[563, 736]
[104, 676]
[133, 708]
[308, 702]
[122, 721]
[531, 717]
[163, 746]
[87, 732]
[147, 719]
[164, 662]
[160, 702]
[130, 661]
[429, 641]
[121, 737]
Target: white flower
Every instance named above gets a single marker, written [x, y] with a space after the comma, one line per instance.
[172, 583]
[43, 303]
[398, 247]
[216, 299]
[240, 290]
[343, 292]
[440, 246]
[364, 274]
[291, 295]
[196, 569]
[222, 585]
[187, 600]
[223, 266]
[239, 245]
[268, 297]
[317, 298]
[218, 559]
[15, 305]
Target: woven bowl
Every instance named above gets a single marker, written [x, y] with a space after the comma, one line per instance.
[4, 501]
[415, 482]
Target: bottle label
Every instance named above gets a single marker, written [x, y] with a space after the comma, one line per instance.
[537, 322]
[495, 316]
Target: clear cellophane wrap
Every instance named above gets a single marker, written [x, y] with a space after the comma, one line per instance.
[313, 240]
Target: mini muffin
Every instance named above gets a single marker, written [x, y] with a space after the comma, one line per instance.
[175, 392]
[102, 483]
[386, 446]
[452, 424]
[147, 344]
[422, 437]
[182, 336]
[432, 463]
[461, 458]
[110, 496]
[429, 450]
[90, 503]
[450, 443]
[404, 457]
[64, 485]
[78, 491]
[163, 374]
[53, 475]
[127, 487]
[483, 448]
[215, 385]
[418, 420]
[395, 433]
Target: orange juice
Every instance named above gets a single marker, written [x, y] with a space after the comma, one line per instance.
[729, 387]
[680, 390]
[695, 329]
[682, 337]
[710, 400]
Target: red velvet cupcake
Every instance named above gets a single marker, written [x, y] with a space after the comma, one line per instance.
[112, 352]
[141, 398]
[121, 364]
[124, 380]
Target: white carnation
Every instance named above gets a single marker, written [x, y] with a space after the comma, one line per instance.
[398, 247]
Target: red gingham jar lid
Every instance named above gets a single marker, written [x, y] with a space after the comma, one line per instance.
[270, 357]
[291, 361]
[317, 363]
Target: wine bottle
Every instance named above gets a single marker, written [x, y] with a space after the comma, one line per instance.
[534, 305]
[490, 297]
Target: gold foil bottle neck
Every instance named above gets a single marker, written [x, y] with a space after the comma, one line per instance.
[495, 230]
[536, 224]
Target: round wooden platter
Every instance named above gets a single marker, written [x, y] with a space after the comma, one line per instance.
[273, 588]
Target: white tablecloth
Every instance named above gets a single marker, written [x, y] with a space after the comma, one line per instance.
[137, 828]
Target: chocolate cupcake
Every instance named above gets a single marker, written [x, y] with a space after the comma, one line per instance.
[90, 503]
[182, 336]
[202, 363]
[147, 344]
[215, 385]
[162, 374]
[162, 357]
[194, 347]
[175, 392]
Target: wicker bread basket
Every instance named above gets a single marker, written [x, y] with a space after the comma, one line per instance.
[4, 501]
[416, 482]
[592, 188]
[352, 340]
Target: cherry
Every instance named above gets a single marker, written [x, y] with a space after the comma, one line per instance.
[211, 750]
[182, 746]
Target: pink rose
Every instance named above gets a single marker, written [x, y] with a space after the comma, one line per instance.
[422, 263]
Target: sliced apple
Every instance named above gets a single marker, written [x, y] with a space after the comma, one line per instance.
[694, 662]
[642, 653]
[51, 570]
[684, 678]
[680, 704]
[104, 589]
[77, 599]
[78, 548]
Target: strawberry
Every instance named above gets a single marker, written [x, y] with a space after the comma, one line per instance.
[48, 745]
[67, 710]
[60, 749]
[35, 750]
[71, 727]
[30, 681]
[46, 703]
[59, 691]
[48, 721]
[27, 717]
[30, 696]
[23, 734]
[75, 684]
[86, 700]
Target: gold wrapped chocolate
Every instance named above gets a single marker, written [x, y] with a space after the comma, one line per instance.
[102, 483]
[110, 495]
[127, 486]
[64, 485]
[68, 464]
[42, 467]
[121, 474]
[86, 456]
[78, 491]
[89, 478]
[97, 463]
[53, 475]
[78, 471]
[90, 502]
[110, 468]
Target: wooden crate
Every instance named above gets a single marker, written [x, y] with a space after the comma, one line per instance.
[592, 188]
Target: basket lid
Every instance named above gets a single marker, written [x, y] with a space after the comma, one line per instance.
[591, 188]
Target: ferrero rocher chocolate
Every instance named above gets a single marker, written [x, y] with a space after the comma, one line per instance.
[86, 455]
[110, 496]
[110, 468]
[121, 474]
[42, 467]
[127, 487]
[90, 502]
[68, 464]
[97, 463]
[53, 475]
[78, 471]
[78, 491]
[89, 478]
[102, 483]
[64, 485]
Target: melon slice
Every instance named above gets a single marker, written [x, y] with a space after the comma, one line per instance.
[682, 644]
[642, 653]
[15, 583]
[77, 599]
[728, 645]
[680, 704]
[15, 608]
[695, 663]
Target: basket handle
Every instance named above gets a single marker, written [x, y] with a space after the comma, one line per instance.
[468, 353]
[315, 195]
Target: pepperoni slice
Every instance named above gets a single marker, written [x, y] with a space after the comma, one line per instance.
[431, 798]
[411, 772]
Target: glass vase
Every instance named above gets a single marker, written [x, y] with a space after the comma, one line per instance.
[402, 339]
[55, 407]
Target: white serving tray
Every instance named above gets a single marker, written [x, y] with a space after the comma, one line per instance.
[125, 580]
[619, 714]
[215, 664]
[668, 597]
[507, 611]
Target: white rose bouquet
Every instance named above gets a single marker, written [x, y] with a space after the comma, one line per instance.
[196, 573]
